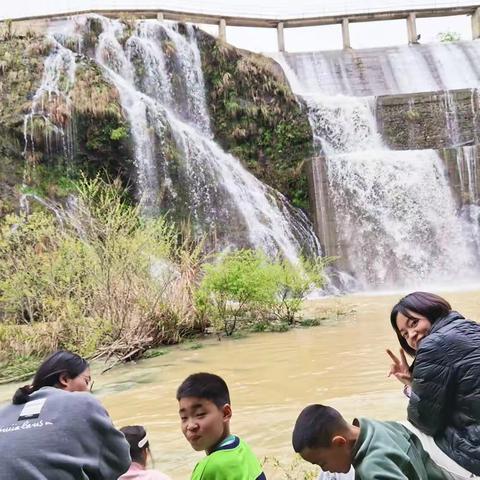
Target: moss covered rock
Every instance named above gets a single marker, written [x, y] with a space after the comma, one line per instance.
[21, 66]
[256, 117]
[81, 131]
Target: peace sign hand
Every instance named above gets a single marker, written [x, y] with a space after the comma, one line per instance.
[400, 368]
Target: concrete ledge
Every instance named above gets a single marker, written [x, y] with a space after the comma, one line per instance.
[237, 21]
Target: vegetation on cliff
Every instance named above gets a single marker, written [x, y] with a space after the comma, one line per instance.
[21, 66]
[256, 117]
[83, 269]
[79, 130]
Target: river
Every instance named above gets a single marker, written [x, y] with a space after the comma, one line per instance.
[271, 377]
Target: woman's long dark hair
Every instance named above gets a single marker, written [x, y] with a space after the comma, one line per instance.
[428, 305]
[135, 434]
[48, 374]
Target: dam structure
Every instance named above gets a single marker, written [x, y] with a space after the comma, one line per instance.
[395, 180]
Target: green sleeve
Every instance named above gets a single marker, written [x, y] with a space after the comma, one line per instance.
[383, 465]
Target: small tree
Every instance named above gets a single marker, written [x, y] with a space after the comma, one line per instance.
[246, 285]
[239, 284]
[292, 284]
[448, 36]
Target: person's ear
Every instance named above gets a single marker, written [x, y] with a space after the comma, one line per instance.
[63, 380]
[227, 412]
[145, 453]
[339, 441]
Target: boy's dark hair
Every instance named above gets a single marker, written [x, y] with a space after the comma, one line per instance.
[135, 434]
[429, 305]
[316, 426]
[205, 385]
[49, 372]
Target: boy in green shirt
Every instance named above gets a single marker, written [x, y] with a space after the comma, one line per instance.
[377, 450]
[205, 413]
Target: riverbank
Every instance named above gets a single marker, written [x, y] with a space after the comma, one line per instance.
[272, 376]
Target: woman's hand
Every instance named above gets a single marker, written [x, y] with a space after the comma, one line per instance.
[400, 368]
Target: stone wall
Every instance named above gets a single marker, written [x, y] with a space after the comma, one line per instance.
[429, 120]
[463, 170]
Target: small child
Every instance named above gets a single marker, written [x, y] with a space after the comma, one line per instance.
[139, 452]
[377, 450]
[205, 413]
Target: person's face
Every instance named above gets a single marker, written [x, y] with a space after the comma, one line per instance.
[414, 329]
[81, 383]
[334, 459]
[203, 423]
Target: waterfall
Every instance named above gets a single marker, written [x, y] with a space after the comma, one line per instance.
[395, 217]
[390, 70]
[156, 67]
[451, 119]
[51, 103]
[469, 175]
[49, 119]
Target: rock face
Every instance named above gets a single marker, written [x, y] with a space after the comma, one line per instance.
[21, 66]
[128, 100]
[49, 137]
[84, 130]
[256, 117]
[430, 119]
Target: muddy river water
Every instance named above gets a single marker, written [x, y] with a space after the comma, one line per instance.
[271, 377]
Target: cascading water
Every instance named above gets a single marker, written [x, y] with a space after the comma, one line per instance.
[395, 216]
[390, 70]
[469, 174]
[51, 103]
[49, 119]
[451, 118]
[157, 71]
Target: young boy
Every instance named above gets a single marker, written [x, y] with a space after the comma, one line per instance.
[377, 450]
[205, 413]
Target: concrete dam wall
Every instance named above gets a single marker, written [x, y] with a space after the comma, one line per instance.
[395, 180]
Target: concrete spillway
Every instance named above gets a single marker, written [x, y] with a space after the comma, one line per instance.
[395, 218]
[389, 71]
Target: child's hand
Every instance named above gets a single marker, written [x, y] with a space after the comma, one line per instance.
[400, 368]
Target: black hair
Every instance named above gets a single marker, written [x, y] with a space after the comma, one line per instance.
[316, 426]
[429, 305]
[135, 434]
[205, 385]
[48, 373]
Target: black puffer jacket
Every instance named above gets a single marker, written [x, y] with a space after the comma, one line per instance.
[445, 400]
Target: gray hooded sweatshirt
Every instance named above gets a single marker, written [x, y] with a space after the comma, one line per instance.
[59, 435]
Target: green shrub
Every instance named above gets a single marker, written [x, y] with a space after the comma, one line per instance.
[236, 288]
[99, 279]
[449, 36]
[245, 287]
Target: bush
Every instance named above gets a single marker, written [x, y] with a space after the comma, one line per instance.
[292, 284]
[236, 288]
[98, 278]
[245, 287]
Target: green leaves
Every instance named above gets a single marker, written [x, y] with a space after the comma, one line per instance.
[246, 287]
[95, 278]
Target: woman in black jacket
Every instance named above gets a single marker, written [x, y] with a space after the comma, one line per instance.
[445, 375]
